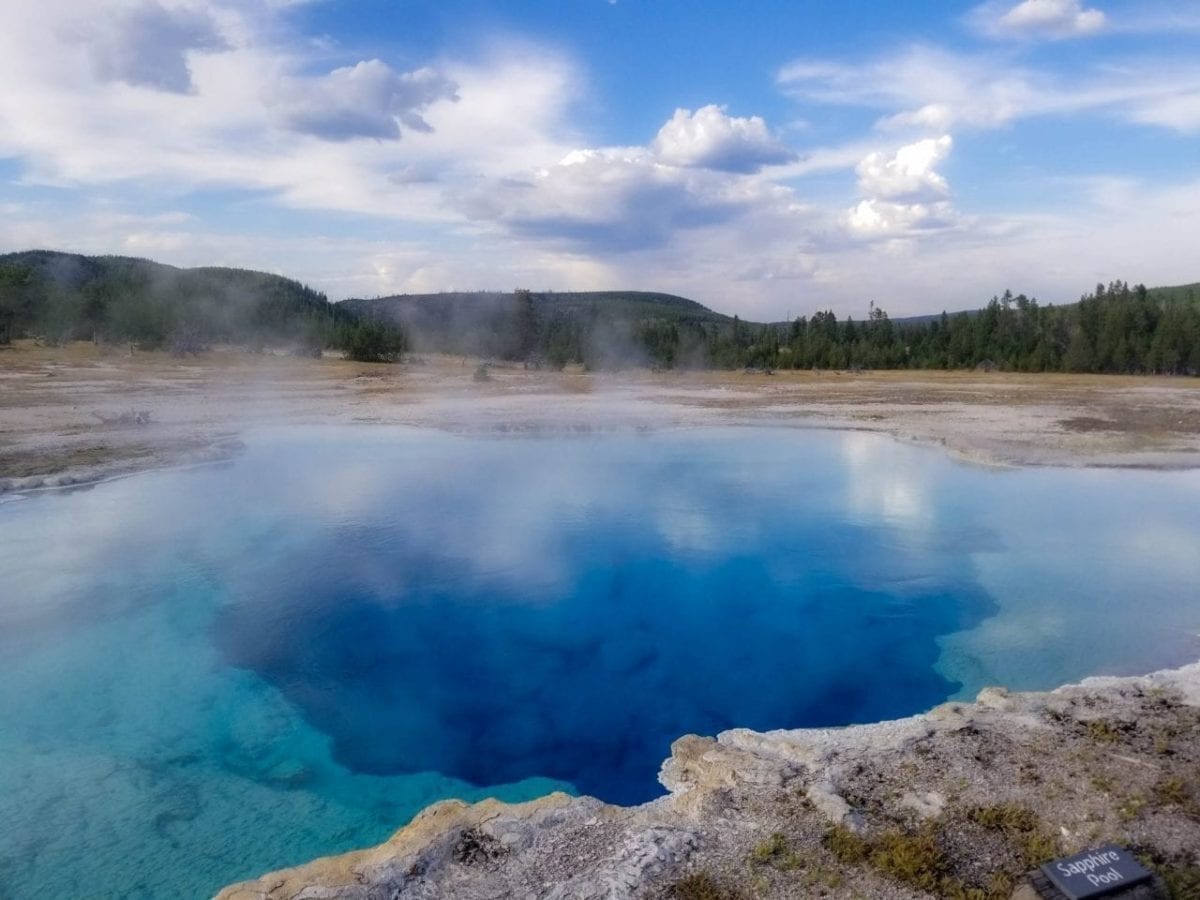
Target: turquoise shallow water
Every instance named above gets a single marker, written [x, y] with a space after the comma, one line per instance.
[209, 673]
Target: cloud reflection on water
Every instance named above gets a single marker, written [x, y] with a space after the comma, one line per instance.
[497, 608]
[397, 600]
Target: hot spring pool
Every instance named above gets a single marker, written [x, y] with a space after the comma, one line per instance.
[206, 674]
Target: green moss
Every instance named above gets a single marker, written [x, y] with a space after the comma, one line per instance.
[1023, 829]
[1131, 808]
[700, 886]
[920, 858]
[769, 849]
[1103, 732]
[844, 844]
[1037, 847]
[915, 859]
[822, 877]
[1178, 871]
[774, 852]
[1169, 791]
[1006, 817]
[1183, 881]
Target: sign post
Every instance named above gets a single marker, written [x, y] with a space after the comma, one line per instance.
[1096, 873]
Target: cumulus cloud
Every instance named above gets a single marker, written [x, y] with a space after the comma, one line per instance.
[904, 194]
[609, 200]
[262, 117]
[873, 219]
[369, 100]
[711, 139]
[701, 170]
[908, 175]
[1040, 18]
[147, 45]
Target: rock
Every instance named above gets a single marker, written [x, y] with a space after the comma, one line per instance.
[640, 858]
[824, 796]
[927, 805]
[995, 698]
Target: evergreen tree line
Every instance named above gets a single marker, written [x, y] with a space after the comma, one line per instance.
[61, 297]
[1116, 329]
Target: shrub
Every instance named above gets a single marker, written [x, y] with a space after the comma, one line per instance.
[374, 342]
[699, 886]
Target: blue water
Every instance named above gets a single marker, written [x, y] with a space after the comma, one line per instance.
[206, 674]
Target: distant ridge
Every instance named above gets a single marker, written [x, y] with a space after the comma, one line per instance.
[1187, 293]
[427, 310]
[597, 327]
[56, 297]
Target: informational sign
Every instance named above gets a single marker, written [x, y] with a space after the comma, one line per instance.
[1095, 873]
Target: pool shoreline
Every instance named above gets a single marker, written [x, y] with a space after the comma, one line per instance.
[66, 430]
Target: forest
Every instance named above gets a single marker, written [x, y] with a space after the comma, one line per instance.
[1116, 328]
[58, 297]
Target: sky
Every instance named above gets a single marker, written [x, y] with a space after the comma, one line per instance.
[768, 158]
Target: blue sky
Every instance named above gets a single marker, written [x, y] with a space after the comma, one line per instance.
[766, 159]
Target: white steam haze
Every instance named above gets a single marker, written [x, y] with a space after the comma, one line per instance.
[221, 133]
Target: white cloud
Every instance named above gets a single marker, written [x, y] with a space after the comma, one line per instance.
[921, 87]
[512, 115]
[929, 88]
[1178, 112]
[904, 195]
[908, 175]
[700, 171]
[607, 200]
[146, 44]
[1040, 18]
[874, 219]
[369, 99]
[937, 116]
[255, 119]
[710, 139]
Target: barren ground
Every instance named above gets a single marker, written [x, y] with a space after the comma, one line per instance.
[64, 412]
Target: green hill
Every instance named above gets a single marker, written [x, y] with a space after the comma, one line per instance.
[65, 296]
[598, 328]
[1185, 293]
